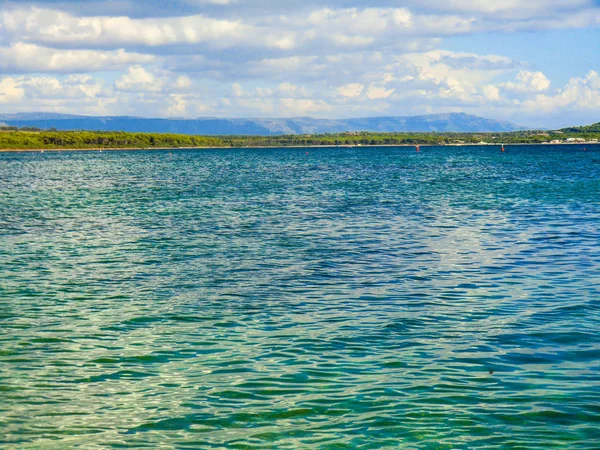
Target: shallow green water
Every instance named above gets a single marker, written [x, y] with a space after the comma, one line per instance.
[344, 298]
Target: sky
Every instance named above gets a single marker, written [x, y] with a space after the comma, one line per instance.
[535, 63]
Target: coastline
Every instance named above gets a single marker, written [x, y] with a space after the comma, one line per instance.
[101, 149]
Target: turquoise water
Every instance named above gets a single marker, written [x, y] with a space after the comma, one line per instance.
[344, 298]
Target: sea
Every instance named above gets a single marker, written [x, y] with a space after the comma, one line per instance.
[301, 298]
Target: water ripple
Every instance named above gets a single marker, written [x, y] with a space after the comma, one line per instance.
[353, 298]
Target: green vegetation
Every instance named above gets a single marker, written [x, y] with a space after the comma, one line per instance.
[595, 128]
[22, 139]
[12, 138]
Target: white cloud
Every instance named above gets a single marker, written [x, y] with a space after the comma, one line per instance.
[182, 82]
[290, 90]
[491, 92]
[52, 27]
[22, 57]
[79, 92]
[368, 27]
[351, 90]
[48, 87]
[578, 94]
[257, 105]
[526, 81]
[138, 79]
[237, 90]
[288, 64]
[443, 75]
[290, 58]
[300, 107]
[344, 40]
[85, 94]
[10, 91]
[178, 106]
[376, 26]
[365, 20]
[377, 92]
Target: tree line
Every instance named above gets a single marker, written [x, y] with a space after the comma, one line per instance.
[22, 139]
[11, 138]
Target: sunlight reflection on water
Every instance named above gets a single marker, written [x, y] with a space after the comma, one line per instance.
[355, 298]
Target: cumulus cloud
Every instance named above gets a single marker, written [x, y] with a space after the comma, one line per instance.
[491, 92]
[444, 74]
[73, 87]
[80, 92]
[178, 106]
[53, 27]
[294, 106]
[23, 58]
[10, 91]
[292, 57]
[182, 82]
[345, 27]
[351, 90]
[377, 92]
[138, 92]
[579, 94]
[138, 79]
[290, 90]
[526, 81]
[361, 22]
[237, 90]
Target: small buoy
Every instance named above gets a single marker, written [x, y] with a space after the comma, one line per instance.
[502, 147]
[307, 153]
[418, 148]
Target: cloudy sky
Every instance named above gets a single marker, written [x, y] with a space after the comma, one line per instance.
[533, 62]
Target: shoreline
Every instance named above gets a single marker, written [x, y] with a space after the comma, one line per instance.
[101, 149]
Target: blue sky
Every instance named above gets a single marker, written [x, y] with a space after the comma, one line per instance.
[534, 63]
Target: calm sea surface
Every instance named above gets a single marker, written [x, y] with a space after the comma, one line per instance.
[345, 298]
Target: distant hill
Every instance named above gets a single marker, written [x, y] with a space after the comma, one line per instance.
[594, 128]
[455, 122]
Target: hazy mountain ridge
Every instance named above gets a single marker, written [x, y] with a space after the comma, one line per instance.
[454, 122]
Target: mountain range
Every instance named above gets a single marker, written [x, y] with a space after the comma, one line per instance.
[453, 122]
